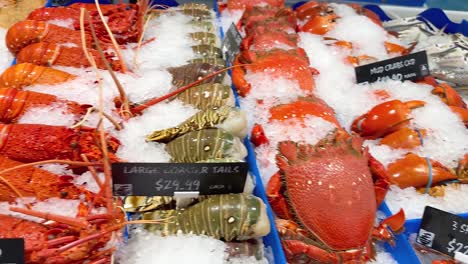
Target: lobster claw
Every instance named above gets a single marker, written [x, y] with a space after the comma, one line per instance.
[385, 118]
[415, 171]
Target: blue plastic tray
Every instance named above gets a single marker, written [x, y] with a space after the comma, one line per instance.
[414, 3]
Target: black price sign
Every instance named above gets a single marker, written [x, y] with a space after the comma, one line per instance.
[12, 251]
[443, 232]
[231, 43]
[164, 179]
[408, 67]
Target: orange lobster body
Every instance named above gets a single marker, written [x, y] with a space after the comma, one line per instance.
[384, 118]
[27, 32]
[290, 64]
[49, 54]
[413, 170]
[25, 74]
[42, 241]
[405, 138]
[14, 103]
[31, 142]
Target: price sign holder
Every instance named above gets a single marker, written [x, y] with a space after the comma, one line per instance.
[231, 43]
[12, 251]
[444, 232]
[408, 67]
[180, 179]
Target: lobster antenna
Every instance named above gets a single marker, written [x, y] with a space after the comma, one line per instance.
[154, 101]
[88, 112]
[105, 153]
[140, 40]
[114, 42]
[123, 95]
[14, 189]
[93, 171]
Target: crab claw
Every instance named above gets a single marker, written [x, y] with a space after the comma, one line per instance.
[380, 177]
[258, 136]
[448, 95]
[462, 170]
[462, 113]
[395, 48]
[413, 170]
[385, 118]
[390, 225]
[319, 25]
[276, 199]
[405, 138]
[238, 78]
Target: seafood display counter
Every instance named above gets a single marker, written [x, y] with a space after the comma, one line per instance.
[338, 172]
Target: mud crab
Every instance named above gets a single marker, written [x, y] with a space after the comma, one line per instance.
[327, 200]
[291, 64]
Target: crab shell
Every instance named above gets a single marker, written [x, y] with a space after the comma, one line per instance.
[330, 190]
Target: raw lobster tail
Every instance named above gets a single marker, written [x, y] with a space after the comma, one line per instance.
[25, 74]
[48, 54]
[14, 103]
[31, 142]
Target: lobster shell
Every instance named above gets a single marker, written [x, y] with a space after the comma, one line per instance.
[33, 142]
[14, 103]
[48, 54]
[25, 74]
[35, 182]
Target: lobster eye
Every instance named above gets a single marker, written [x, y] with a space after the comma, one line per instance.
[207, 148]
[231, 220]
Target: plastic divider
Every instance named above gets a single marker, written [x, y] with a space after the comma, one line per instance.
[272, 240]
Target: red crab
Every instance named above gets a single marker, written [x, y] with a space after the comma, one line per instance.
[299, 109]
[328, 191]
[291, 64]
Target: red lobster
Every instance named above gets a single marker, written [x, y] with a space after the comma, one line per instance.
[14, 103]
[49, 54]
[33, 142]
[125, 20]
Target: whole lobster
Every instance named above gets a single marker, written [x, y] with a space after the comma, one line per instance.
[14, 103]
[34, 142]
[49, 54]
[124, 20]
